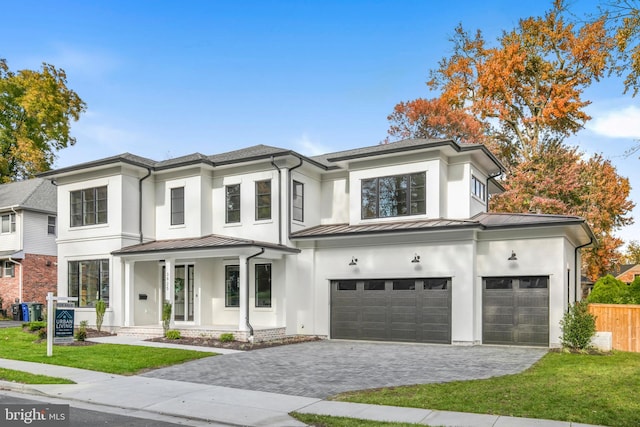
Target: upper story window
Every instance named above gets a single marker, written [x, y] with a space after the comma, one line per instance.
[89, 206]
[478, 188]
[9, 223]
[177, 206]
[233, 203]
[51, 225]
[263, 199]
[298, 201]
[392, 196]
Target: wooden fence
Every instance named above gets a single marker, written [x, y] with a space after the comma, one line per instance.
[622, 320]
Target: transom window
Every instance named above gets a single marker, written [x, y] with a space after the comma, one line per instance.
[232, 286]
[233, 203]
[89, 206]
[177, 206]
[263, 199]
[9, 223]
[89, 281]
[298, 201]
[263, 285]
[478, 188]
[392, 196]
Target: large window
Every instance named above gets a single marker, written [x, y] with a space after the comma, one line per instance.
[177, 206]
[263, 285]
[51, 225]
[232, 286]
[478, 188]
[263, 199]
[89, 206]
[298, 201]
[233, 203]
[9, 223]
[392, 196]
[89, 281]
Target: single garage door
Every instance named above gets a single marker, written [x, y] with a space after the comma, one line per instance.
[413, 310]
[515, 310]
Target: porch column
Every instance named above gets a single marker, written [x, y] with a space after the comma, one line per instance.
[170, 288]
[244, 294]
[129, 299]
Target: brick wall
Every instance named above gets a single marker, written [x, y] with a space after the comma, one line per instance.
[9, 289]
[629, 275]
[40, 276]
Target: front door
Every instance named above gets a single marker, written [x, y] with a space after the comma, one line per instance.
[184, 291]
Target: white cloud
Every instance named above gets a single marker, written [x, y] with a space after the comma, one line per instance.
[620, 123]
[308, 147]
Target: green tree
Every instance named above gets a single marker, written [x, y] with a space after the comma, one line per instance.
[632, 254]
[36, 108]
[578, 327]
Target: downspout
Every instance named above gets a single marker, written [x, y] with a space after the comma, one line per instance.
[289, 200]
[273, 163]
[140, 205]
[19, 278]
[577, 270]
[247, 282]
[21, 248]
[490, 177]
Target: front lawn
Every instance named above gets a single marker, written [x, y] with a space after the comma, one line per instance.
[591, 389]
[111, 358]
[27, 378]
[327, 421]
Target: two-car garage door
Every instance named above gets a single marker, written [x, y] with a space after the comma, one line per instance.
[415, 310]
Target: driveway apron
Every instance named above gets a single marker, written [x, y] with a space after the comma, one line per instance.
[324, 368]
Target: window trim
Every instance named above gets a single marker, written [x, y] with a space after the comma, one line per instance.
[374, 196]
[260, 196]
[177, 206]
[51, 225]
[11, 223]
[478, 188]
[83, 213]
[256, 278]
[8, 269]
[295, 196]
[101, 263]
[227, 205]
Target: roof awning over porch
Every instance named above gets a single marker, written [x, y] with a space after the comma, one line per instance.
[203, 247]
[11, 254]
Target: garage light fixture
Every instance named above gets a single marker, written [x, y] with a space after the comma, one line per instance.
[513, 257]
[354, 261]
[416, 258]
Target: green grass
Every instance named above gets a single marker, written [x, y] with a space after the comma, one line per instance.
[327, 421]
[591, 389]
[27, 378]
[111, 358]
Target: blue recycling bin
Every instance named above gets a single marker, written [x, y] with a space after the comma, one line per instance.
[25, 311]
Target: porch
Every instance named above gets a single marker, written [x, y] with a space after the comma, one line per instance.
[264, 333]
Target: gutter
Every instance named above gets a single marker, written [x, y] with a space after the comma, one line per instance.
[273, 163]
[577, 271]
[21, 243]
[140, 202]
[247, 282]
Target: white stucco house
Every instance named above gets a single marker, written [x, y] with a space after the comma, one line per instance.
[389, 242]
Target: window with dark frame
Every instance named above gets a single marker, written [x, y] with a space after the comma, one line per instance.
[88, 280]
[263, 199]
[478, 188]
[177, 206]
[298, 201]
[346, 285]
[9, 223]
[393, 196]
[232, 203]
[89, 206]
[232, 286]
[51, 225]
[263, 285]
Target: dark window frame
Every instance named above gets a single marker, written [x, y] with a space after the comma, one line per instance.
[101, 274]
[177, 206]
[263, 200]
[232, 204]
[297, 201]
[231, 289]
[478, 188]
[89, 206]
[393, 196]
[51, 225]
[261, 285]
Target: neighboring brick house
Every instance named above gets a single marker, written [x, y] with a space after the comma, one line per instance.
[28, 253]
[627, 272]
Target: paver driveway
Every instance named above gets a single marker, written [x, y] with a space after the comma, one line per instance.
[324, 368]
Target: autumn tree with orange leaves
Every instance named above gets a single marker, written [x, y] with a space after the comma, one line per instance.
[525, 94]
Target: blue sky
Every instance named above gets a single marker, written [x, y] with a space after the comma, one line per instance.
[163, 79]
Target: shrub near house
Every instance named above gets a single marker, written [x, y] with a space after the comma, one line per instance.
[609, 290]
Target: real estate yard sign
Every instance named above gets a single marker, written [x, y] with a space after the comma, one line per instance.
[63, 324]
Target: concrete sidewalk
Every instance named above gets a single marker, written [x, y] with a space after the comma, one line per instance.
[230, 406]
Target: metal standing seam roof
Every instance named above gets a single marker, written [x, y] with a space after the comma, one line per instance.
[483, 220]
[212, 241]
[34, 194]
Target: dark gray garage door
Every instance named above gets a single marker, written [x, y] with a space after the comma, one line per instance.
[515, 310]
[414, 310]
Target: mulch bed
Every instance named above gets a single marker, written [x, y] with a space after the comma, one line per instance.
[236, 345]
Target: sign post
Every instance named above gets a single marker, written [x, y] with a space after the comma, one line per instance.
[60, 322]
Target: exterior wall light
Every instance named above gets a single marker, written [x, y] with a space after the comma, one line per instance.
[354, 261]
[513, 257]
[416, 258]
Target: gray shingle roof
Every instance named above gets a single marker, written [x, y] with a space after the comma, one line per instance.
[34, 194]
[213, 241]
[249, 153]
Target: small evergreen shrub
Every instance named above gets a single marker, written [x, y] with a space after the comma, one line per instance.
[166, 316]
[227, 337]
[609, 290]
[36, 326]
[578, 327]
[81, 333]
[173, 334]
[101, 308]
